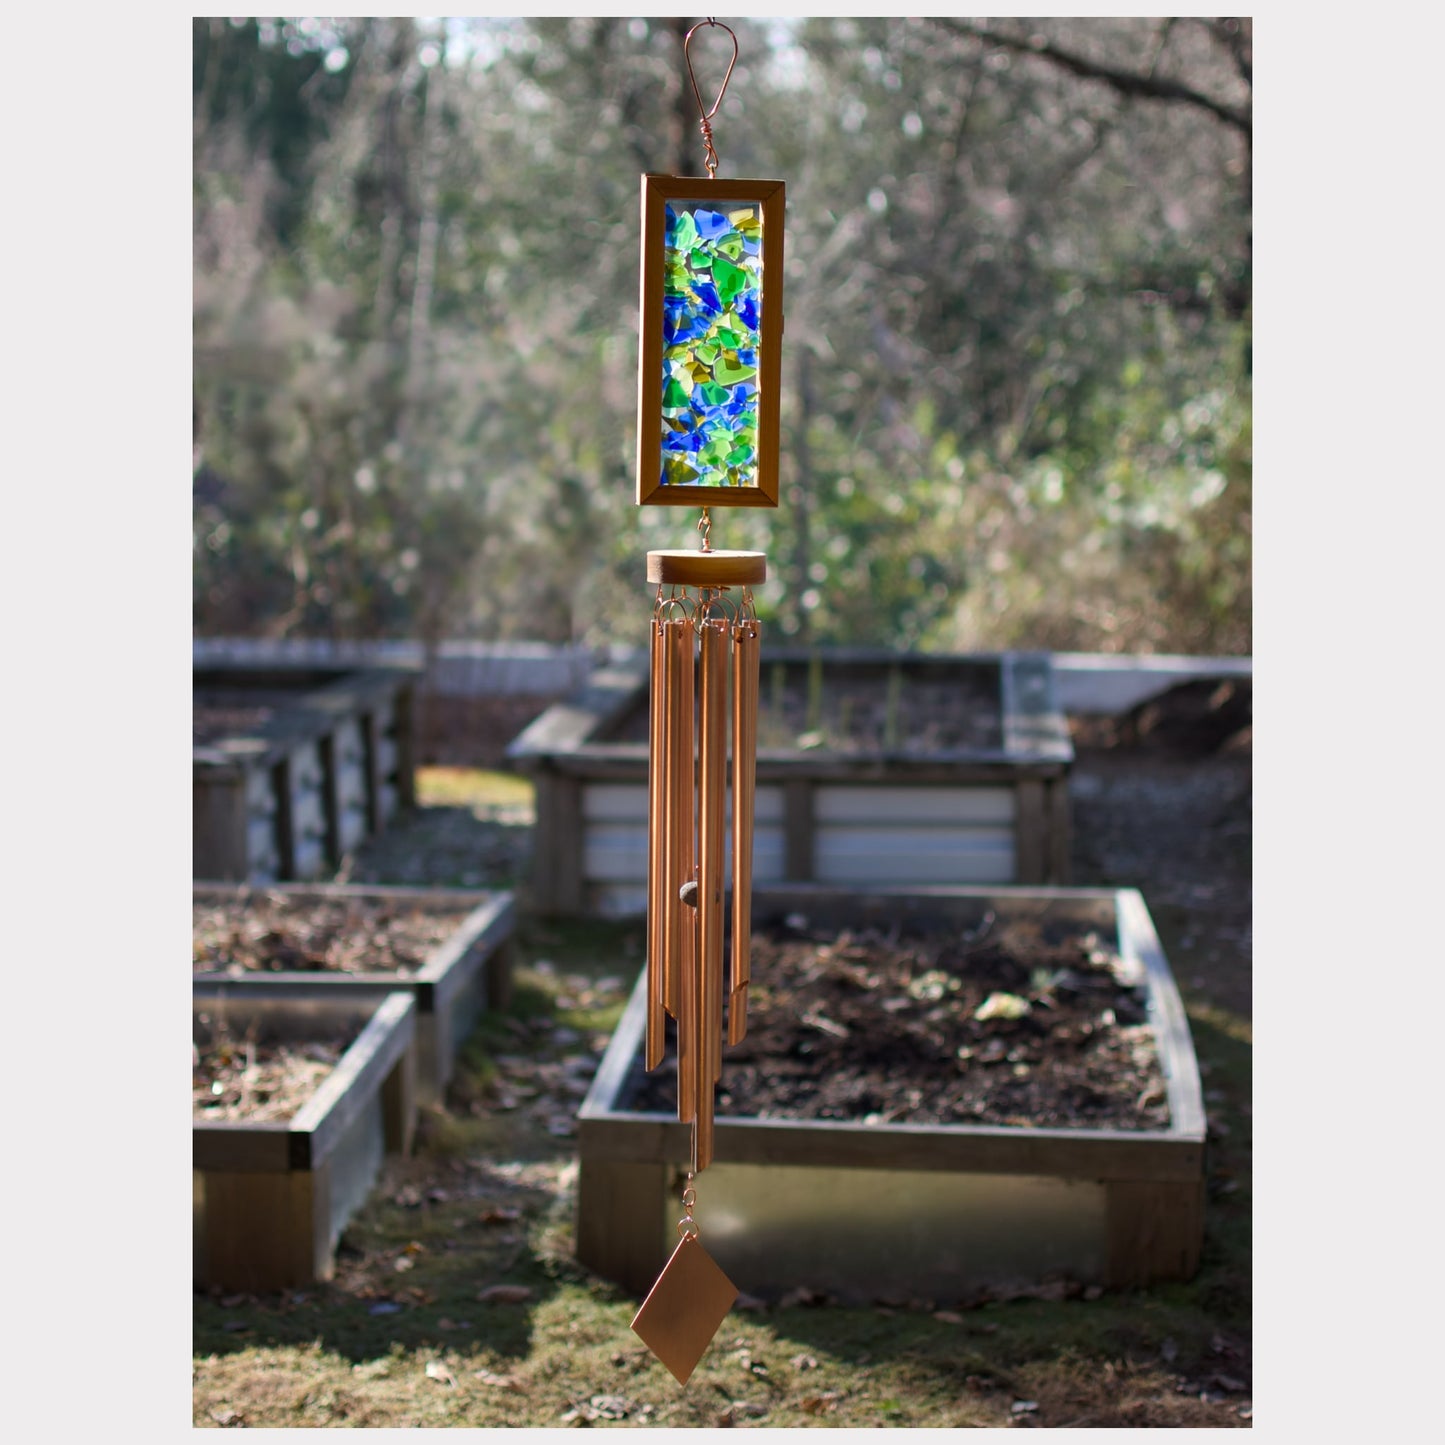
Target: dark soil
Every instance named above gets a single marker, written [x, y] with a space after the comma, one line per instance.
[869, 709]
[472, 732]
[1196, 719]
[220, 711]
[1162, 801]
[481, 846]
[211, 723]
[263, 932]
[1029, 1025]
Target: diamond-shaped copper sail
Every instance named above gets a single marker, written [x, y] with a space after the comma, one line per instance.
[684, 1308]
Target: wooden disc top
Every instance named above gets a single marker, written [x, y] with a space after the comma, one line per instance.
[707, 569]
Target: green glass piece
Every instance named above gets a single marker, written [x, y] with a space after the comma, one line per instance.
[675, 393]
[712, 393]
[730, 279]
[731, 247]
[729, 372]
[707, 352]
[684, 235]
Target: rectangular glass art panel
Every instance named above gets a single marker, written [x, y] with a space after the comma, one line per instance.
[710, 342]
[711, 315]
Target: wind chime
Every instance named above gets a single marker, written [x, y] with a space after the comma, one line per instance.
[707, 429]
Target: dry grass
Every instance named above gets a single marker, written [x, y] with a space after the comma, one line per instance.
[488, 1200]
[402, 1336]
[472, 788]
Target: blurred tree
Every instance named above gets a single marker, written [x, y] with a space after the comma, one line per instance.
[1016, 391]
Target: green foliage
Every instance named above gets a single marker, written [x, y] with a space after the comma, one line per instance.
[1016, 403]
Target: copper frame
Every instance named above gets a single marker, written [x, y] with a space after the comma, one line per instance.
[657, 190]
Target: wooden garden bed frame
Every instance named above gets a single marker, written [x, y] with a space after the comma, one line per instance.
[270, 1200]
[259, 780]
[464, 976]
[975, 816]
[870, 1211]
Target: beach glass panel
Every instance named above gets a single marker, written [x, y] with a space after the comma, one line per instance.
[711, 310]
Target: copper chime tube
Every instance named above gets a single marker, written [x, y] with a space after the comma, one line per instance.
[711, 837]
[745, 737]
[682, 933]
[656, 1041]
[704, 678]
[676, 780]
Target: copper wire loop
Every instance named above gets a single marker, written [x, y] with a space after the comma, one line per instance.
[706, 112]
[663, 607]
[713, 599]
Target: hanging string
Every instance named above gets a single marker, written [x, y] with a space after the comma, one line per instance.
[710, 160]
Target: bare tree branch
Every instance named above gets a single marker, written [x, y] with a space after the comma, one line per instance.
[1125, 82]
[1160, 45]
[1235, 35]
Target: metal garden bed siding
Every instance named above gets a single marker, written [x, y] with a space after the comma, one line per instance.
[967, 816]
[871, 1211]
[270, 1200]
[287, 796]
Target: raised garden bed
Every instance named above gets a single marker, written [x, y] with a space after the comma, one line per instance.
[449, 948]
[872, 768]
[275, 1179]
[911, 1138]
[293, 766]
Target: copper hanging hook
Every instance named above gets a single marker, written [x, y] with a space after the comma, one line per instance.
[710, 161]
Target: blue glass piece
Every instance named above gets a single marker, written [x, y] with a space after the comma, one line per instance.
[682, 324]
[682, 442]
[706, 293]
[711, 224]
[673, 311]
[747, 309]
